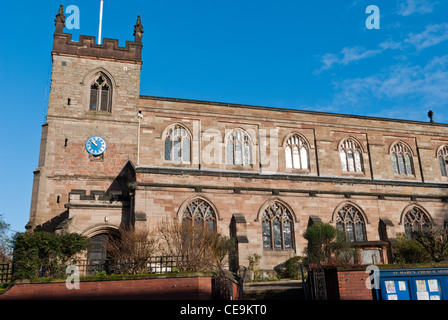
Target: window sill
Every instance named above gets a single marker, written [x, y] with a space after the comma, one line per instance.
[240, 167]
[404, 177]
[353, 173]
[297, 171]
[278, 251]
[97, 112]
[177, 163]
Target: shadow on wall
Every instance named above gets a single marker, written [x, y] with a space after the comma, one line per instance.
[117, 191]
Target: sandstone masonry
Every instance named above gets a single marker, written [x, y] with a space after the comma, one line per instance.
[226, 166]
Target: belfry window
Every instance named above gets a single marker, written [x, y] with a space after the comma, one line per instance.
[277, 227]
[350, 220]
[178, 144]
[401, 159]
[351, 156]
[239, 148]
[443, 160]
[297, 153]
[101, 94]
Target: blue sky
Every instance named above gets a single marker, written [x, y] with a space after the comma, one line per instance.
[313, 55]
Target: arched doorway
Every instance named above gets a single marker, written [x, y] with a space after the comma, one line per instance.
[97, 253]
[97, 257]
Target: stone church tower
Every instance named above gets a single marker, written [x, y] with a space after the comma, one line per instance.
[89, 140]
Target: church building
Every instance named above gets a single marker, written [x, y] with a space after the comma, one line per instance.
[111, 156]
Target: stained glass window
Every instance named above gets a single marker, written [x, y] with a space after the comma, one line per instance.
[415, 219]
[350, 220]
[297, 152]
[267, 234]
[201, 214]
[277, 227]
[351, 155]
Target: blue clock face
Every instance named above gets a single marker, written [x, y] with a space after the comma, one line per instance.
[96, 145]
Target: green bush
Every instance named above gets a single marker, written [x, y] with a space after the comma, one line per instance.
[290, 268]
[325, 242]
[406, 250]
[45, 254]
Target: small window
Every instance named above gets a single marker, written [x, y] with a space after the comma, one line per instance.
[100, 94]
[93, 97]
[350, 154]
[277, 227]
[239, 148]
[178, 144]
[297, 153]
[443, 160]
[401, 159]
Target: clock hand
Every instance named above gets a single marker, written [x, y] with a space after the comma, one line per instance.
[93, 142]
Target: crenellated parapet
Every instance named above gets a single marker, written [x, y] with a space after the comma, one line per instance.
[87, 46]
[97, 198]
[95, 210]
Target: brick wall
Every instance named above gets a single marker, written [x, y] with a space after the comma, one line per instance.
[193, 288]
[348, 285]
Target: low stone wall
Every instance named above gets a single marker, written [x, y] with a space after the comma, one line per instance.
[169, 288]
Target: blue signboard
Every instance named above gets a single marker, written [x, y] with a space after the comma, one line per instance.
[414, 284]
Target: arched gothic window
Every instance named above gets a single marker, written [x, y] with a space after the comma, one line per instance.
[101, 94]
[351, 221]
[297, 152]
[415, 219]
[401, 159]
[350, 153]
[178, 144]
[277, 227]
[239, 148]
[200, 213]
[443, 160]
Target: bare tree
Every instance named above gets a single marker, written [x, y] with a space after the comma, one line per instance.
[5, 248]
[434, 240]
[199, 249]
[130, 253]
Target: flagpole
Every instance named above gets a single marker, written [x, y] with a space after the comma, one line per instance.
[101, 22]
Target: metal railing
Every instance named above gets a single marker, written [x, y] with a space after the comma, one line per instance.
[5, 273]
[155, 265]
